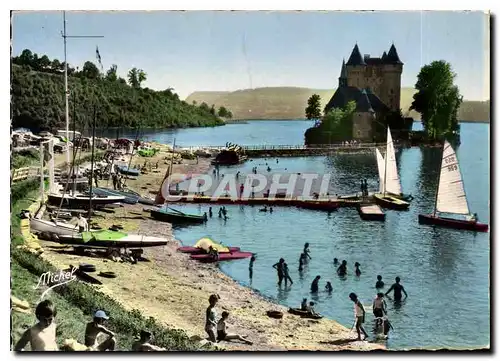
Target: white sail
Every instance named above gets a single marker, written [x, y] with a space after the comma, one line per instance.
[381, 169]
[392, 183]
[451, 194]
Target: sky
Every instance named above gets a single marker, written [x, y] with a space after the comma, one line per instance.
[230, 50]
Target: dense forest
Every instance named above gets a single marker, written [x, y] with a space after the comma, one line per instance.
[37, 100]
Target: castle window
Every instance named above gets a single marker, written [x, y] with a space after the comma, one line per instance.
[391, 91]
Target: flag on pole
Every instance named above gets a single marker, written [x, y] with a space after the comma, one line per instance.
[98, 57]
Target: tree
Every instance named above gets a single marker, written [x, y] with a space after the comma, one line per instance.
[222, 112]
[90, 70]
[136, 77]
[111, 73]
[26, 58]
[336, 125]
[212, 109]
[437, 99]
[56, 65]
[44, 62]
[313, 110]
[229, 115]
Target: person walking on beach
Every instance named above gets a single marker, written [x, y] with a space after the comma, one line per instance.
[359, 315]
[286, 274]
[42, 335]
[342, 270]
[143, 344]
[306, 251]
[279, 268]
[380, 283]
[95, 328]
[398, 290]
[314, 284]
[222, 334]
[211, 315]
[81, 223]
[379, 308]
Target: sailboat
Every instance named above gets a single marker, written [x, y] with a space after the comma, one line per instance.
[169, 214]
[451, 197]
[389, 179]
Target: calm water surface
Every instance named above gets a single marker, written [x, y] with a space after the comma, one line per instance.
[445, 272]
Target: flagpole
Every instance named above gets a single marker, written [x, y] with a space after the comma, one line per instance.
[66, 90]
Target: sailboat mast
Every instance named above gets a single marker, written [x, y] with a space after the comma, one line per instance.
[66, 91]
[92, 162]
[439, 180]
[386, 156]
[170, 168]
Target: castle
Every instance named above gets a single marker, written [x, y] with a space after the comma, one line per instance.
[374, 84]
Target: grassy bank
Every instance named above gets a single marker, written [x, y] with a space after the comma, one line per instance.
[76, 301]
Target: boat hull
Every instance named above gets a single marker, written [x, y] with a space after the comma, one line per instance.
[61, 228]
[128, 241]
[222, 256]
[129, 171]
[391, 202]
[82, 201]
[429, 219]
[195, 250]
[129, 197]
[176, 218]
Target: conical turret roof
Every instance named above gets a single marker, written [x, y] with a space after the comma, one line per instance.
[343, 71]
[392, 56]
[356, 58]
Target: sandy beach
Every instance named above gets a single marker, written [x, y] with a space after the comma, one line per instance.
[174, 289]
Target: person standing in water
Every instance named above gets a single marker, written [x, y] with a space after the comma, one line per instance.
[250, 266]
[379, 308]
[398, 289]
[357, 271]
[301, 263]
[342, 270]
[286, 274]
[210, 212]
[328, 287]
[380, 283]
[359, 315]
[242, 188]
[335, 261]
[210, 318]
[279, 268]
[306, 251]
[314, 284]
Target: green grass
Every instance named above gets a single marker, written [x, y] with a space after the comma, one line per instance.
[76, 301]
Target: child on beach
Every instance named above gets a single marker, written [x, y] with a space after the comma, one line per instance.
[143, 343]
[222, 335]
[94, 329]
[41, 336]
[359, 314]
[211, 315]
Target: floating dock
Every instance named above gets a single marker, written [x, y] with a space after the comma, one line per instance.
[371, 212]
[328, 204]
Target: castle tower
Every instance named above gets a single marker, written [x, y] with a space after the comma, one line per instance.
[343, 75]
[393, 68]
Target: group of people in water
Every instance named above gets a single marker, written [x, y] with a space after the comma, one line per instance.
[42, 335]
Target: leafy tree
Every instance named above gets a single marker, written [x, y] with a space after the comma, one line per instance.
[56, 65]
[90, 70]
[44, 62]
[26, 57]
[313, 109]
[122, 81]
[437, 99]
[212, 109]
[136, 77]
[336, 125]
[111, 73]
[222, 112]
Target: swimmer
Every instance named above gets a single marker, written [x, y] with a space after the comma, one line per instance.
[398, 288]
[335, 261]
[379, 307]
[286, 274]
[357, 270]
[342, 270]
[314, 284]
[359, 314]
[328, 287]
[306, 250]
[303, 305]
[380, 283]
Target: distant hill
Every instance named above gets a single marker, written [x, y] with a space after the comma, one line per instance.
[290, 102]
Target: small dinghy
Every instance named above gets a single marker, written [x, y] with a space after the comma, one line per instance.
[195, 250]
[203, 246]
[304, 314]
[222, 256]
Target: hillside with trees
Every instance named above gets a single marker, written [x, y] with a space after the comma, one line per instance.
[37, 98]
[290, 102]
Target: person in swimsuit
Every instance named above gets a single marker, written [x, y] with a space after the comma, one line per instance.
[328, 287]
[286, 274]
[211, 315]
[95, 328]
[335, 261]
[398, 289]
[314, 284]
[222, 334]
[250, 266]
[306, 251]
[357, 271]
[359, 314]
[303, 305]
[342, 270]
[210, 212]
[42, 335]
[301, 263]
[380, 283]
[379, 308]
[279, 268]
[143, 344]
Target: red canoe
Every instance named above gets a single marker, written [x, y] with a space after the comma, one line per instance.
[452, 223]
[195, 250]
[222, 256]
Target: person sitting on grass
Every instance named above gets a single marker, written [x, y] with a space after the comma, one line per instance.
[143, 344]
[42, 335]
[222, 335]
[93, 330]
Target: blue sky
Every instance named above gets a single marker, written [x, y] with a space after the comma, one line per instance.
[226, 51]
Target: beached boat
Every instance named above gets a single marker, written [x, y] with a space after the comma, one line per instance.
[451, 197]
[304, 314]
[80, 200]
[130, 197]
[222, 256]
[390, 184]
[176, 217]
[128, 171]
[203, 246]
[108, 238]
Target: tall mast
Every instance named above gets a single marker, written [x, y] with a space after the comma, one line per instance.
[92, 162]
[386, 156]
[66, 91]
[170, 168]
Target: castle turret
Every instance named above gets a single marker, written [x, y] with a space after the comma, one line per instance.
[356, 58]
[392, 56]
[343, 75]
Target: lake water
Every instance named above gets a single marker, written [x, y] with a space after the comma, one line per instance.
[445, 272]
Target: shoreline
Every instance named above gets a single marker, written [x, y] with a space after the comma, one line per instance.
[174, 289]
